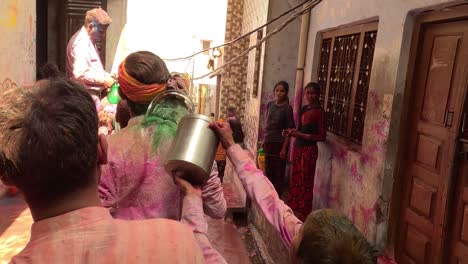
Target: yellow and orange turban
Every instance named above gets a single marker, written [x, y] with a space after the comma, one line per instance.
[135, 90]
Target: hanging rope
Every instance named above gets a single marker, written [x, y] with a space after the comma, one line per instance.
[241, 37]
[306, 9]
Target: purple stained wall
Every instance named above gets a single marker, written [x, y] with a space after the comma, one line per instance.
[359, 180]
[346, 177]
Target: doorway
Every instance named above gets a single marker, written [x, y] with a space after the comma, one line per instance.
[57, 21]
[433, 224]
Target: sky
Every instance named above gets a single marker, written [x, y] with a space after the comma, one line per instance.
[175, 28]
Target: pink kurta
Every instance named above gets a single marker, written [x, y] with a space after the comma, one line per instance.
[260, 190]
[91, 235]
[134, 184]
[192, 215]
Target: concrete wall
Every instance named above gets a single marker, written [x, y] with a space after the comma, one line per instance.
[17, 48]
[360, 182]
[117, 10]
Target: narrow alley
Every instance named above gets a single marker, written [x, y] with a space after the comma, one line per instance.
[241, 131]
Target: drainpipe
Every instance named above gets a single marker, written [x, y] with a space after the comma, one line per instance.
[300, 66]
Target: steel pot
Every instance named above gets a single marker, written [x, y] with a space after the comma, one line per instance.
[193, 149]
[170, 95]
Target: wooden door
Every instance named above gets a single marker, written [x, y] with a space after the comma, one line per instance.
[72, 19]
[435, 109]
[458, 245]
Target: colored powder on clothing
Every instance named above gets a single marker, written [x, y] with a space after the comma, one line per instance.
[165, 117]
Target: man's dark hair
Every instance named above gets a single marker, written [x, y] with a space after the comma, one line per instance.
[49, 71]
[330, 238]
[284, 84]
[48, 140]
[313, 85]
[147, 68]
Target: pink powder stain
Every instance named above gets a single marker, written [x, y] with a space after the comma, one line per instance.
[333, 199]
[367, 214]
[340, 153]
[385, 260]
[381, 129]
[365, 158]
[374, 97]
[324, 192]
[374, 148]
[249, 166]
[355, 174]
[368, 156]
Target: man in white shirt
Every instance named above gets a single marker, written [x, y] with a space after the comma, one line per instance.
[83, 62]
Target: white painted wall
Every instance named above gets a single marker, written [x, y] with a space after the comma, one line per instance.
[17, 47]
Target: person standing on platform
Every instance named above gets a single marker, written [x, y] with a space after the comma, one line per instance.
[83, 62]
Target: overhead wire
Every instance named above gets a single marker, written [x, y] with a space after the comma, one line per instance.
[305, 9]
[242, 36]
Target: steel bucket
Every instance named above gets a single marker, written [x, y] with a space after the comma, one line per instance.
[170, 95]
[193, 149]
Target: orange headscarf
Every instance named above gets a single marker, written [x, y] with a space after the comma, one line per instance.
[135, 90]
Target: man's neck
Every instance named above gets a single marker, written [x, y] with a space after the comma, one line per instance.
[87, 197]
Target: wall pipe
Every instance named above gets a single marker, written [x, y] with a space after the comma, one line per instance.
[302, 51]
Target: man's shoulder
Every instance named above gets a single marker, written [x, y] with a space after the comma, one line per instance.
[158, 225]
[78, 39]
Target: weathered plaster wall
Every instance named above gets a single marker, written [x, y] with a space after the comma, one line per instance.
[359, 182]
[17, 48]
[117, 10]
[280, 57]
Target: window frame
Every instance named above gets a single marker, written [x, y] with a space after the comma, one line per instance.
[360, 29]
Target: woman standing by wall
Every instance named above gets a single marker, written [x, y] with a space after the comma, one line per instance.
[311, 129]
[279, 118]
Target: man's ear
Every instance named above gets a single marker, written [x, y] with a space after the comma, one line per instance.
[89, 27]
[102, 150]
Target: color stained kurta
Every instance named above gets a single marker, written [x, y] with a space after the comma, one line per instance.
[91, 235]
[134, 184]
[84, 64]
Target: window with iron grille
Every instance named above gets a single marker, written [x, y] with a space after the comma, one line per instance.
[343, 74]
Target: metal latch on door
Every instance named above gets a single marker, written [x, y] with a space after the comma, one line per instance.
[463, 152]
